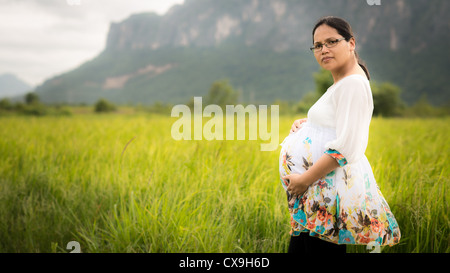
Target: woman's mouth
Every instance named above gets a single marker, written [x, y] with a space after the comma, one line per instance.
[326, 59]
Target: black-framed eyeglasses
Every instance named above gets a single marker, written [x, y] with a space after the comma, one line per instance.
[329, 44]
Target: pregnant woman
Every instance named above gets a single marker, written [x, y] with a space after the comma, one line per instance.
[332, 194]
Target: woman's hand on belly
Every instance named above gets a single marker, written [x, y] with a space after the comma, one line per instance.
[297, 124]
[297, 184]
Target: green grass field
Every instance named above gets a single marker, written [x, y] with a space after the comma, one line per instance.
[120, 183]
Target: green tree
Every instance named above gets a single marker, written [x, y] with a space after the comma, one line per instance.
[386, 99]
[323, 80]
[423, 108]
[222, 93]
[31, 98]
[5, 104]
[104, 105]
[307, 101]
[32, 106]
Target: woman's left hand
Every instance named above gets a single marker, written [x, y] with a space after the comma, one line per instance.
[297, 124]
[297, 184]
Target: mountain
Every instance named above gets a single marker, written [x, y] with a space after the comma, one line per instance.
[11, 86]
[261, 46]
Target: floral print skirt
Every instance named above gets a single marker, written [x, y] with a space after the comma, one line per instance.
[344, 207]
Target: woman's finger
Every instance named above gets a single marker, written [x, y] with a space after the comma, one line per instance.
[295, 126]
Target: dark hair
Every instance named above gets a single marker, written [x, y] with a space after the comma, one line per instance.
[344, 29]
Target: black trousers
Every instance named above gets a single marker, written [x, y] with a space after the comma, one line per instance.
[306, 244]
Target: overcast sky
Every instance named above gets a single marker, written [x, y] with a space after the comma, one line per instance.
[43, 38]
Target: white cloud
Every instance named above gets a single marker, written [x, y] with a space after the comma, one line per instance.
[42, 38]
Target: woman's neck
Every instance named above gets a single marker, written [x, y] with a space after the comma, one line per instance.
[351, 67]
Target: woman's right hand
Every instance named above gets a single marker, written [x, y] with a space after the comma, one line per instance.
[297, 124]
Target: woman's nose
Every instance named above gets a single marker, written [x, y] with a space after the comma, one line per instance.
[325, 49]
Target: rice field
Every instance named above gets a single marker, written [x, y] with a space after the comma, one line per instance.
[121, 183]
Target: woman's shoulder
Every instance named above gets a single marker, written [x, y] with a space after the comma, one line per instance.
[355, 85]
[353, 79]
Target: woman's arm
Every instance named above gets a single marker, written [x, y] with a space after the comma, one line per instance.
[298, 184]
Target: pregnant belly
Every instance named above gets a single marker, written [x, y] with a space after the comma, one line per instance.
[302, 148]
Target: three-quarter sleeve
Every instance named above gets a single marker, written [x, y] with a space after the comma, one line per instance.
[340, 159]
[353, 103]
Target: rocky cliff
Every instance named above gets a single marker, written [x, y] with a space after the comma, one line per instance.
[283, 24]
[262, 47]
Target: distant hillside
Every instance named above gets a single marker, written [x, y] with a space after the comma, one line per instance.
[11, 86]
[261, 46]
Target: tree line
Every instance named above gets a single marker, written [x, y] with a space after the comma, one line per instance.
[386, 98]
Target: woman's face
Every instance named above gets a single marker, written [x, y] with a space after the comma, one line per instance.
[338, 56]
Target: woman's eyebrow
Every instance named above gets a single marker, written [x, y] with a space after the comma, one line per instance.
[326, 40]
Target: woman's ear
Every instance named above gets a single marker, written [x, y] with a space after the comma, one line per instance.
[352, 44]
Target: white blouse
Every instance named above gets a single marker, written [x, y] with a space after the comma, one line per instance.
[346, 106]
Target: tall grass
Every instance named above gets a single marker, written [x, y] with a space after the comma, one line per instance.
[120, 183]
[409, 158]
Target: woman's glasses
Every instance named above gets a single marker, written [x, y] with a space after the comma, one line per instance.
[329, 44]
